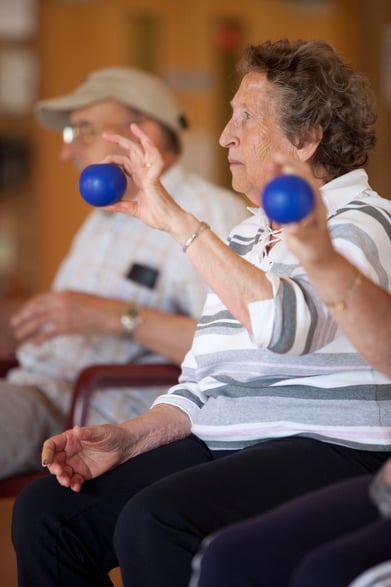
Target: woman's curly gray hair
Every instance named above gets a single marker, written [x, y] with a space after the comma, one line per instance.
[316, 88]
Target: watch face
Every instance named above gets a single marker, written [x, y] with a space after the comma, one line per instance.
[131, 319]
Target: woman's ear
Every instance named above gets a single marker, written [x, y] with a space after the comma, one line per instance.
[308, 142]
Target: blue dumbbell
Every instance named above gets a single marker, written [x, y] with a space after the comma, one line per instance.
[102, 184]
[287, 198]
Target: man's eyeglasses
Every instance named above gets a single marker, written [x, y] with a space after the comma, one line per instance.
[83, 133]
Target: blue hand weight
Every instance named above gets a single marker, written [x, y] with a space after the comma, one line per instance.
[287, 198]
[102, 184]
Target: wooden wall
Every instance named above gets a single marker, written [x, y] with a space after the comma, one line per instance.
[186, 43]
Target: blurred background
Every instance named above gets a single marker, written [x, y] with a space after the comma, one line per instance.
[48, 46]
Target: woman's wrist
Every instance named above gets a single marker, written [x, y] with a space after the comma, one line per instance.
[335, 279]
[185, 227]
[320, 258]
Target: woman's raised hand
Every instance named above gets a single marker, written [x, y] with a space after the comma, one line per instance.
[143, 164]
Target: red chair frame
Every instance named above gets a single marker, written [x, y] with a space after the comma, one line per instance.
[89, 380]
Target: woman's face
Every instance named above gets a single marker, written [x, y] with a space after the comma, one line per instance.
[253, 136]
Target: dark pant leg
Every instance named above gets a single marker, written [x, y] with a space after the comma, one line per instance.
[64, 539]
[340, 561]
[173, 516]
[265, 551]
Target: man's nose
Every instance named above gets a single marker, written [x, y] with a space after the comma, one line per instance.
[67, 152]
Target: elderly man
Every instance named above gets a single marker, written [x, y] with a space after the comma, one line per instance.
[124, 292]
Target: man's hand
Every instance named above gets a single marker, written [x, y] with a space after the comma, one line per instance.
[54, 313]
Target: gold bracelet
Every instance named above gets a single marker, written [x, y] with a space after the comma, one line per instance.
[202, 226]
[341, 305]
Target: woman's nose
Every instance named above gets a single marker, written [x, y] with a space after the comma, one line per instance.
[227, 138]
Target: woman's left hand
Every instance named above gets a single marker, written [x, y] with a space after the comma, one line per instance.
[308, 239]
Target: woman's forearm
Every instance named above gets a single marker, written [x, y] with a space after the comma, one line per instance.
[234, 280]
[360, 307]
[160, 425]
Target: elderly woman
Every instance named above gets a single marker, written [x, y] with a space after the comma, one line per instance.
[329, 537]
[273, 400]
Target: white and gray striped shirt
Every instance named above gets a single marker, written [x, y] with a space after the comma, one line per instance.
[297, 374]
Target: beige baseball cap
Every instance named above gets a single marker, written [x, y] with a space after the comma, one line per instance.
[133, 87]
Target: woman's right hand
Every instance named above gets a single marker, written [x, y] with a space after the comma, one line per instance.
[143, 164]
[82, 453]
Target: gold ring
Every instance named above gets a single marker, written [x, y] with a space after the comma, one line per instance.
[148, 164]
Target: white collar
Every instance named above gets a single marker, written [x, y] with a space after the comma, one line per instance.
[342, 190]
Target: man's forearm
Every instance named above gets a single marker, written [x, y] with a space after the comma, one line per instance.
[169, 335]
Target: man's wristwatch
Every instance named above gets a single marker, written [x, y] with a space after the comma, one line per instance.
[131, 319]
